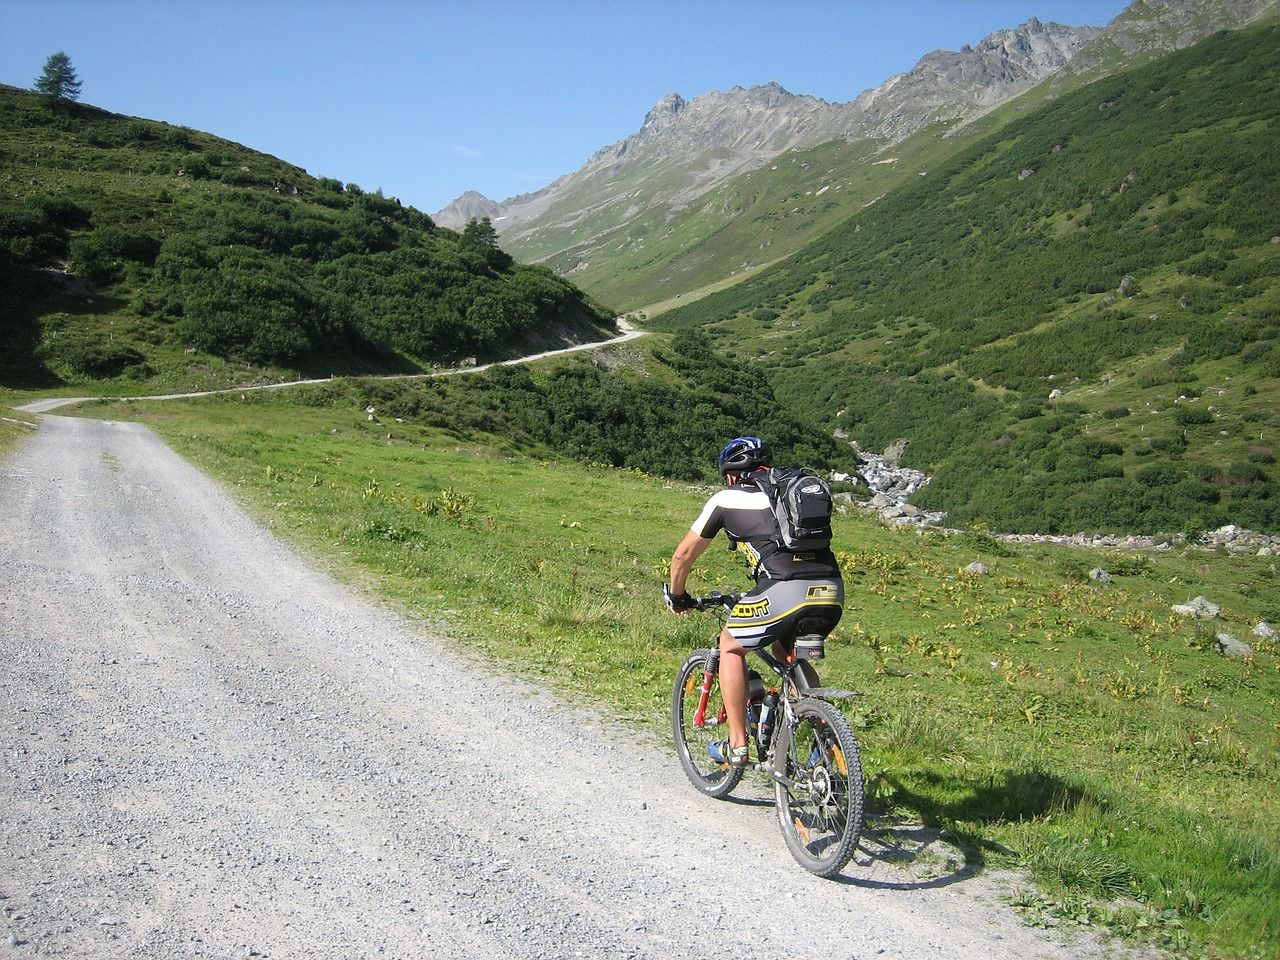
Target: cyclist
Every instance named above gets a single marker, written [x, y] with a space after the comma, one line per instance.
[792, 589]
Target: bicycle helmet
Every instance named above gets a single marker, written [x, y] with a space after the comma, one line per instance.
[744, 454]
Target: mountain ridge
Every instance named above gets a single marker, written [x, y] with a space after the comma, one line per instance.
[661, 226]
[761, 122]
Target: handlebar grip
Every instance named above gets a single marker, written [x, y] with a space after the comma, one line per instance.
[726, 600]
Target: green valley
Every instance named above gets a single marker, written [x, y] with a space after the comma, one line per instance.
[1074, 320]
[1039, 718]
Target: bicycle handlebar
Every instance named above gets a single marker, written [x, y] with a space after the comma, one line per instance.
[717, 599]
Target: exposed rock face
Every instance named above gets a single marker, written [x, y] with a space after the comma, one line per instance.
[469, 206]
[946, 85]
[743, 127]
[685, 148]
[713, 137]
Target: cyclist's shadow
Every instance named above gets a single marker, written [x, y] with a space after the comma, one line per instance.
[931, 850]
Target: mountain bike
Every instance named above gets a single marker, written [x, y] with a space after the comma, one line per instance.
[802, 742]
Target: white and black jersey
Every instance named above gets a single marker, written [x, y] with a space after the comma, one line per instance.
[742, 511]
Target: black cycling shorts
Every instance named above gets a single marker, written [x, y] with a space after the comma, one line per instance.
[778, 609]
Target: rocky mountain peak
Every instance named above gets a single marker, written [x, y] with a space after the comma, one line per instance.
[470, 206]
[663, 113]
[949, 85]
[1038, 48]
[686, 147]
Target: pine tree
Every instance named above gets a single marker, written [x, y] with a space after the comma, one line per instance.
[59, 81]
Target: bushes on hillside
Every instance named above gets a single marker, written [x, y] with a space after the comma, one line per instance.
[240, 255]
[102, 254]
[620, 419]
[270, 282]
[94, 356]
[239, 301]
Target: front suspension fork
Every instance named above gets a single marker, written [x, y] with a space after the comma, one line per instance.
[708, 680]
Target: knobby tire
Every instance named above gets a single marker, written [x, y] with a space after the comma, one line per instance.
[821, 813]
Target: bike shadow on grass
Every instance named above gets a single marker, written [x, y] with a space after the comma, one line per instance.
[943, 843]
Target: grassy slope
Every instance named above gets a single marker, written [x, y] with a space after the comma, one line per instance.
[149, 185]
[949, 310]
[1083, 727]
[13, 433]
[753, 219]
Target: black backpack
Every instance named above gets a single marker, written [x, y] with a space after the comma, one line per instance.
[801, 503]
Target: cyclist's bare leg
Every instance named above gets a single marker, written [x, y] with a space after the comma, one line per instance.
[733, 687]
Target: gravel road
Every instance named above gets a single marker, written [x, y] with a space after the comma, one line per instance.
[211, 749]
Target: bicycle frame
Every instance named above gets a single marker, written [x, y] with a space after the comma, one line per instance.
[792, 677]
[803, 745]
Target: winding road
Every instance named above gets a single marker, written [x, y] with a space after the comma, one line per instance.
[628, 333]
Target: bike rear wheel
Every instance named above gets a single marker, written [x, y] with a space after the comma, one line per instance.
[712, 778]
[821, 812]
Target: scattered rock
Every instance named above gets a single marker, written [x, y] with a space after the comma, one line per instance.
[978, 568]
[1265, 631]
[1199, 608]
[892, 485]
[1240, 540]
[1100, 575]
[1229, 646]
[1055, 393]
[893, 453]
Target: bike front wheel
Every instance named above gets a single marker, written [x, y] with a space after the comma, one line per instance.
[691, 737]
[820, 805]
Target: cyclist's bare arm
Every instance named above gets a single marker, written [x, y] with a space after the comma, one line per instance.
[687, 552]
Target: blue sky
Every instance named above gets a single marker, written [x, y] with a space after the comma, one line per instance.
[429, 99]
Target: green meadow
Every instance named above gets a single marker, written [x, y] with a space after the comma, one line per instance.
[1079, 731]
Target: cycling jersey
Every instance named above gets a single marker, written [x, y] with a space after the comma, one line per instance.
[742, 511]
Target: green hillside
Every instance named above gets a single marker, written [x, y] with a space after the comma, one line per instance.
[1114, 245]
[752, 220]
[135, 249]
[665, 253]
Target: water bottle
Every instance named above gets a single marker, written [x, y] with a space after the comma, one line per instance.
[755, 693]
[766, 719]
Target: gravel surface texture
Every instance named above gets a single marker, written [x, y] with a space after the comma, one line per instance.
[211, 749]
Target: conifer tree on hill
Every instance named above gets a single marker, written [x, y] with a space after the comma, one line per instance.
[58, 82]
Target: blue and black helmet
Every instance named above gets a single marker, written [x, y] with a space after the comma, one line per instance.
[744, 454]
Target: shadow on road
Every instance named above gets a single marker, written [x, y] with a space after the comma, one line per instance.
[944, 843]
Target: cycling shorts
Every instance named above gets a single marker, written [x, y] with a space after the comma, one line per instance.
[782, 609]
